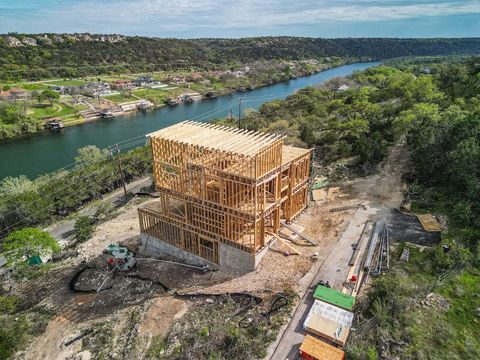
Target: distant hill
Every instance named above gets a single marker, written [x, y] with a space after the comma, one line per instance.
[73, 55]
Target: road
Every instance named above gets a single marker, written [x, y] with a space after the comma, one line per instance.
[63, 231]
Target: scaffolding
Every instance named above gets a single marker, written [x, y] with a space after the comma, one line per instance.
[222, 184]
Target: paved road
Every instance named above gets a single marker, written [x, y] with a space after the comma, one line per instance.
[63, 231]
[334, 269]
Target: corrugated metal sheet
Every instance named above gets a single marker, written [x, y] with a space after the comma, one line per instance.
[334, 297]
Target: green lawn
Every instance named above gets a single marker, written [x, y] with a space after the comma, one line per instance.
[119, 98]
[66, 82]
[33, 86]
[55, 110]
[81, 107]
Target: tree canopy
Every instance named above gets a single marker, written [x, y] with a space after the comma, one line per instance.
[28, 242]
[79, 57]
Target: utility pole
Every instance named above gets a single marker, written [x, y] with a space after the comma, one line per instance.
[239, 112]
[119, 163]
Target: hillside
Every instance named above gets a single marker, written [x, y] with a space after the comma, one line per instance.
[50, 55]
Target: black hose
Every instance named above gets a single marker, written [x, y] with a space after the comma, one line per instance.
[137, 276]
[73, 281]
[239, 295]
[280, 301]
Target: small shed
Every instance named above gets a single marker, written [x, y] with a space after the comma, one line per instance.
[334, 297]
[315, 349]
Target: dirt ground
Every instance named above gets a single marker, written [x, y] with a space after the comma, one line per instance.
[385, 187]
[131, 312]
[122, 295]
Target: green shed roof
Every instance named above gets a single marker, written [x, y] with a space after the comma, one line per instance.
[334, 297]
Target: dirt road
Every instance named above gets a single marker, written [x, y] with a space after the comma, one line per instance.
[380, 193]
[385, 187]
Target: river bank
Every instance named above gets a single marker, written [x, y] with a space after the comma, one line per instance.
[44, 151]
[36, 104]
[199, 96]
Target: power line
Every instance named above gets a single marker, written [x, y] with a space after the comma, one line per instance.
[3, 231]
[62, 188]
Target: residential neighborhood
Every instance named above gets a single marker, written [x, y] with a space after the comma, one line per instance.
[96, 97]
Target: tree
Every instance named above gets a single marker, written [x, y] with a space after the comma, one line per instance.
[50, 95]
[90, 153]
[28, 242]
[83, 228]
[37, 95]
[15, 185]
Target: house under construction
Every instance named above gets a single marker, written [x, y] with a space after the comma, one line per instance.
[223, 193]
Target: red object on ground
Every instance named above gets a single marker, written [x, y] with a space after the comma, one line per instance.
[354, 277]
[110, 261]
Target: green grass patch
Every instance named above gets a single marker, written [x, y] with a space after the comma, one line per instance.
[120, 98]
[66, 82]
[57, 110]
[33, 86]
[42, 112]
[157, 96]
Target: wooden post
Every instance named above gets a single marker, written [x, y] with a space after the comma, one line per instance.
[120, 170]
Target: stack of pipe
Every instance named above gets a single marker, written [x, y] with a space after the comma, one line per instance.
[377, 254]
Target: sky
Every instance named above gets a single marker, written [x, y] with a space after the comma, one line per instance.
[242, 18]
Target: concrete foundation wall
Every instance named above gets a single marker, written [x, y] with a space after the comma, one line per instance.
[230, 258]
[151, 246]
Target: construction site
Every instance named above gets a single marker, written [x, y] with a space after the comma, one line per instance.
[242, 250]
[223, 193]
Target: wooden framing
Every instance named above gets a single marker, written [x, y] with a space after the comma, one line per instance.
[220, 184]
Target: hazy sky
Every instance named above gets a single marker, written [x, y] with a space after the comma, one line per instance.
[230, 18]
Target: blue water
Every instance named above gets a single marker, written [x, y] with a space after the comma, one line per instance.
[45, 151]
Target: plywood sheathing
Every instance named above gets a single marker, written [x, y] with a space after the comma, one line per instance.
[429, 223]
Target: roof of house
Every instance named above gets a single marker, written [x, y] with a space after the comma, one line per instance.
[218, 137]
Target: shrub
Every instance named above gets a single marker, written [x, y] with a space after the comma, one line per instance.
[8, 304]
[13, 332]
[83, 228]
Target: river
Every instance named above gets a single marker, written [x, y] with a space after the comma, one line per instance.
[44, 151]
